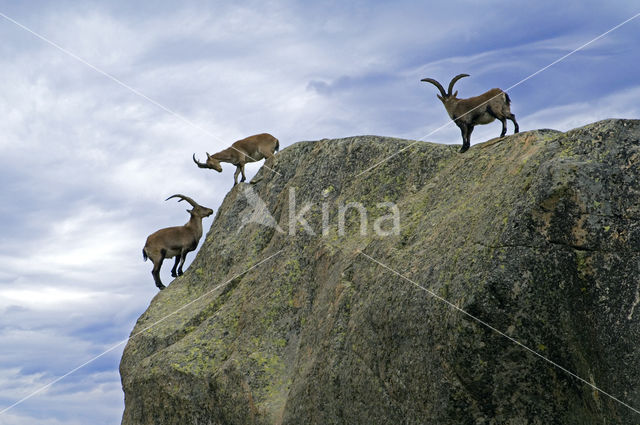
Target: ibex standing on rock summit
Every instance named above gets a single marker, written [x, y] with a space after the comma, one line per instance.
[175, 241]
[483, 109]
[252, 149]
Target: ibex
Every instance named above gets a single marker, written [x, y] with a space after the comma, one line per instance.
[175, 241]
[252, 149]
[483, 109]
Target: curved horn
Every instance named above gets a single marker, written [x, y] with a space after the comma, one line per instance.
[199, 164]
[437, 84]
[456, 78]
[184, 198]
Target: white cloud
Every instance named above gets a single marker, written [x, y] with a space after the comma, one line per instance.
[98, 400]
[47, 298]
[621, 104]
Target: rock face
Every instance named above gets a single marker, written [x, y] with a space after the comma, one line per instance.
[537, 235]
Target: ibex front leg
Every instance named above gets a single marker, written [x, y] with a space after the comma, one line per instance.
[182, 258]
[175, 266]
[466, 136]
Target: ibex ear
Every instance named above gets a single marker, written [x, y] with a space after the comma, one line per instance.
[208, 156]
[455, 94]
[440, 97]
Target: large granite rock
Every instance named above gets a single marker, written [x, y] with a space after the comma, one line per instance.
[537, 235]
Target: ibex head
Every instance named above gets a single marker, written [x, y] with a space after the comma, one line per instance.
[446, 96]
[198, 210]
[211, 163]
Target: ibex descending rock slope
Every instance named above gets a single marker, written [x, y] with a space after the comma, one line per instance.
[537, 234]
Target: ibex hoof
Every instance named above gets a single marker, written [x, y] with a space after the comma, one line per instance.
[161, 287]
[464, 149]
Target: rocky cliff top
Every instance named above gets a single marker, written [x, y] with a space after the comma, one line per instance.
[314, 322]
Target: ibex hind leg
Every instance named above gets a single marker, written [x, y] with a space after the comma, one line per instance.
[156, 277]
[156, 270]
[267, 153]
[235, 175]
[513, 120]
[502, 119]
[504, 127]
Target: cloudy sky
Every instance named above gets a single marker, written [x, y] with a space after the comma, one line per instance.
[86, 163]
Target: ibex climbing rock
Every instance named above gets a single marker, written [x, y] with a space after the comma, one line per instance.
[252, 149]
[175, 241]
[483, 109]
